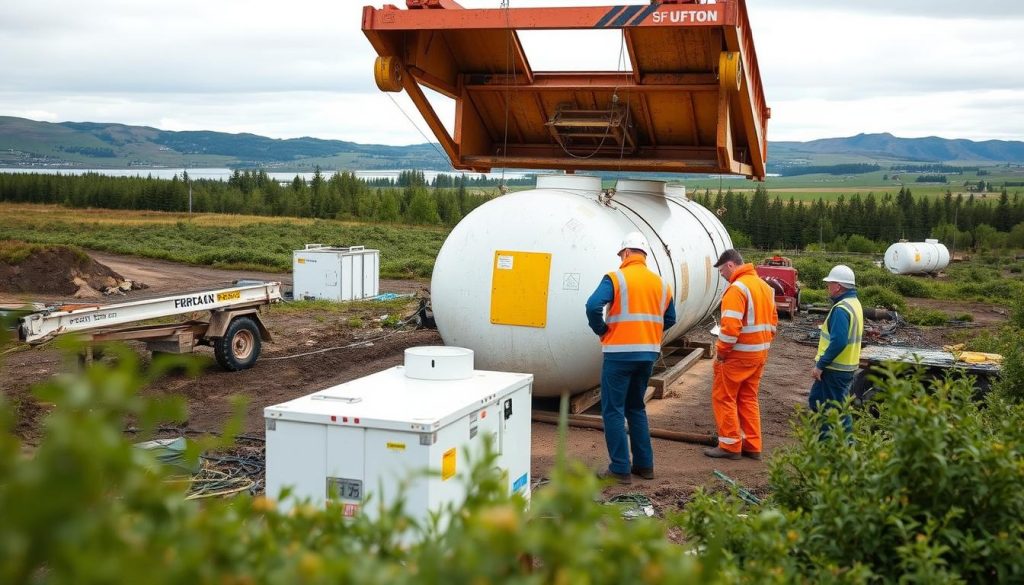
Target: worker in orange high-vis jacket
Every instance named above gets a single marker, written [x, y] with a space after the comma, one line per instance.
[640, 309]
[747, 328]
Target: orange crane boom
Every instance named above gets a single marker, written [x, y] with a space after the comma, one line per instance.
[693, 101]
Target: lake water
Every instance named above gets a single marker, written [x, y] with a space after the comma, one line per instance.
[225, 174]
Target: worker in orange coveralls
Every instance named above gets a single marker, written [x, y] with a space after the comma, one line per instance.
[747, 328]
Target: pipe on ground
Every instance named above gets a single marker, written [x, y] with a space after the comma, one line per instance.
[593, 422]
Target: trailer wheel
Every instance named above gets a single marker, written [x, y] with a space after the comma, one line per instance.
[240, 346]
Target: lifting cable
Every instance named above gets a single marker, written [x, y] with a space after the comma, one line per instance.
[434, 145]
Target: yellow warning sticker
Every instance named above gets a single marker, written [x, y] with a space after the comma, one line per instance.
[448, 465]
[229, 295]
[301, 260]
[519, 288]
[396, 446]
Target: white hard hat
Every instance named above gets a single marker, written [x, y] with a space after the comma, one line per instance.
[635, 241]
[842, 274]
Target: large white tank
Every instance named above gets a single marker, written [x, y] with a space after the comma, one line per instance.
[512, 279]
[916, 257]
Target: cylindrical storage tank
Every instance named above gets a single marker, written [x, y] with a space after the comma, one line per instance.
[916, 257]
[512, 280]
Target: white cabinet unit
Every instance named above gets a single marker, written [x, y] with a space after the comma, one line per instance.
[335, 274]
[371, 436]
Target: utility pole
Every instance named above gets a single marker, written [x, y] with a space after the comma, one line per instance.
[189, 191]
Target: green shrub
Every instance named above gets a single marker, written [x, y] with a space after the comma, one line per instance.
[88, 507]
[861, 245]
[909, 286]
[812, 270]
[813, 297]
[927, 492]
[877, 296]
[927, 317]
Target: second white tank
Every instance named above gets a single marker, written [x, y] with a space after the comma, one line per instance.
[512, 279]
[916, 257]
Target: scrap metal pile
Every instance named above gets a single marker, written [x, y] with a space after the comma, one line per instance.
[881, 327]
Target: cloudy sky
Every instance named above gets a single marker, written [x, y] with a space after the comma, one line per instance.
[303, 67]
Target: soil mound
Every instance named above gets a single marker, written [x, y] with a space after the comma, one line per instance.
[58, 270]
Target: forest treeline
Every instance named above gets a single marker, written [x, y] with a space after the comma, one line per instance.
[857, 223]
[407, 199]
[854, 223]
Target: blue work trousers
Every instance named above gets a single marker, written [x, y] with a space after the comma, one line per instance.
[831, 392]
[623, 384]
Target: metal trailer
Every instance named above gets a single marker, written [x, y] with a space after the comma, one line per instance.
[234, 329]
[936, 364]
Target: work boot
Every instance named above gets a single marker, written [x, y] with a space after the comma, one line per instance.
[608, 474]
[755, 455]
[644, 472]
[720, 453]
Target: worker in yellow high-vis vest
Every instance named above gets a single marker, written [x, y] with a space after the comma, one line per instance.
[839, 345]
[747, 328]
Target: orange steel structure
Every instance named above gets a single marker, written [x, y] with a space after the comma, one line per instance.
[692, 103]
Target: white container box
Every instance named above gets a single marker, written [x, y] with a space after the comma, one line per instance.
[335, 274]
[370, 436]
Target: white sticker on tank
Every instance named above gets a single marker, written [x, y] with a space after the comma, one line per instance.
[571, 281]
[504, 262]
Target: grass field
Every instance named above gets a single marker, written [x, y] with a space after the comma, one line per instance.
[225, 241]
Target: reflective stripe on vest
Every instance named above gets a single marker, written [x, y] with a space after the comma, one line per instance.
[750, 301]
[848, 360]
[640, 327]
[748, 321]
[625, 315]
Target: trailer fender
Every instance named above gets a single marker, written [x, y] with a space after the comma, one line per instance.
[219, 321]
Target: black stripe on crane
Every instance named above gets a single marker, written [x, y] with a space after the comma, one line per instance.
[626, 15]
[643, 15]
[608, 16]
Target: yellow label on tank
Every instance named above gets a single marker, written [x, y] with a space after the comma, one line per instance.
[519, 288]
[448, 465]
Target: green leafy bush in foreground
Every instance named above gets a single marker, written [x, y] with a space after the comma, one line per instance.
[929, 491]
[87, 507]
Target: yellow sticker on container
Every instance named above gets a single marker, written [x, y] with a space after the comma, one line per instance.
[519, 288]
[229, 295]
[448, 465]
[301, 260]
[396, 446]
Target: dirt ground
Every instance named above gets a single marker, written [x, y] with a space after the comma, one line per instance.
[680, 467]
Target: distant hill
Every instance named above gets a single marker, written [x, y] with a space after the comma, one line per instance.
[99, 145]
[28, 143]
[886, 147]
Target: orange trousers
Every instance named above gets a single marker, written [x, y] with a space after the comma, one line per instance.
[734, 401]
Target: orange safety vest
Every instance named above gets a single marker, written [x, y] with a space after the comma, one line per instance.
[749, 317]
[636, 317]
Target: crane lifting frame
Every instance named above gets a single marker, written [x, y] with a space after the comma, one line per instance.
[692, 103]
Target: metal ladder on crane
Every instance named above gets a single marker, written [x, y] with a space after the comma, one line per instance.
[234, 329]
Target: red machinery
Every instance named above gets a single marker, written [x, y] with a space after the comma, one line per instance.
[779, 273]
